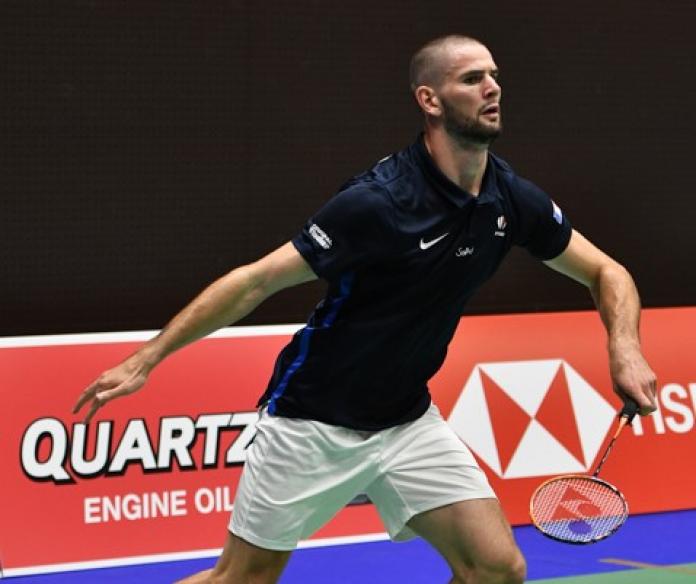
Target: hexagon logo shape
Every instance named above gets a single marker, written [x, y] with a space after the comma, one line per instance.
[531, 418]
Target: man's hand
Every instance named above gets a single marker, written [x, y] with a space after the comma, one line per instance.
[124, 379]
[633, 377]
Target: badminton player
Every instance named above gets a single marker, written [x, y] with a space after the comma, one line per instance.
[347, 410]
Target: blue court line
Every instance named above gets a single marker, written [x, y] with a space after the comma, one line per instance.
[661, 538]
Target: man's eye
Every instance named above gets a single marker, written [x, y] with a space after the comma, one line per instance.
[472, 79]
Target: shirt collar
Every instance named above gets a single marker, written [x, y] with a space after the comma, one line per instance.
[451, 191]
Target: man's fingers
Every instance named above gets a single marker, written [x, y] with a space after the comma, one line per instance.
[106, 396]
[646, 404]
[86, 395]
[636, 380]
[645, 398]
[103, 397]
[646, 409]
[641, 395]
[92, 410]
[649, 394]
[109, 385]
[99, 400]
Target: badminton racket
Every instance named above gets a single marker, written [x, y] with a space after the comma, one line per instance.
[582, 509]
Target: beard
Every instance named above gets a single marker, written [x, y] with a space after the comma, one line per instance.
[466, 130]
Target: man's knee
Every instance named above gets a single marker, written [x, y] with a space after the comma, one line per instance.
[510, 568]
[516, 569]
[243, 562]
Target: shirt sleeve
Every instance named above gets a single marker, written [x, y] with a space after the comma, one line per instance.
[352, 230]
[544, 230]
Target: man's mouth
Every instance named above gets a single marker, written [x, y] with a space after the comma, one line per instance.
[493, 109]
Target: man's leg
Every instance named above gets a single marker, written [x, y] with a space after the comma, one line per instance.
[243, 563]
[476, 541]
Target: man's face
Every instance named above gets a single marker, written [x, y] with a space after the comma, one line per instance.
[470, 95]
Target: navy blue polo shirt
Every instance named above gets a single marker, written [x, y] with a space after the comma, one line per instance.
[403, 248]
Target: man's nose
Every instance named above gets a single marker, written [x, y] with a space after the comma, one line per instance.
[491, 87]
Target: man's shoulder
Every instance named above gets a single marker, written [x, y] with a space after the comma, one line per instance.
[394, 168]
[362, 196]
[517, 186]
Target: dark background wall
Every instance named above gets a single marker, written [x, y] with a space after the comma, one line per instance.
[149, 147]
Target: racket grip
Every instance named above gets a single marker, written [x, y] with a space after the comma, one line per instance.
[629, 410]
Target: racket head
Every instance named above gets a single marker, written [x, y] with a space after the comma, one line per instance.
[577, 509]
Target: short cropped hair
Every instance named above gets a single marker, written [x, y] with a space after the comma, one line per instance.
[427, 66]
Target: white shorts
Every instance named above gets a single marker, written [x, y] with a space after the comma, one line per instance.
[300, 473]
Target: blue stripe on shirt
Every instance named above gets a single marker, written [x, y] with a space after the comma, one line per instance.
[345, 286]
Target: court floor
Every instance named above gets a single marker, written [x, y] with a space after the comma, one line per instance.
[650, 549]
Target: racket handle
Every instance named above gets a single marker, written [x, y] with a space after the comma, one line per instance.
[629, 410]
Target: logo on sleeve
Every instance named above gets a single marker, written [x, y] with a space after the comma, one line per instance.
[557, 213]
[320, 236]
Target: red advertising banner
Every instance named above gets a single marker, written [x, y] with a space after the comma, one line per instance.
[531, 396]
[154, 475]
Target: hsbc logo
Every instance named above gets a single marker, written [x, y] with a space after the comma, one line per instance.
[531, 418]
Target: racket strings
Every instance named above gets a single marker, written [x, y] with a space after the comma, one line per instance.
[578, 509]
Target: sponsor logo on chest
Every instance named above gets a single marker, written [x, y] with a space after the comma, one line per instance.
[501, 224]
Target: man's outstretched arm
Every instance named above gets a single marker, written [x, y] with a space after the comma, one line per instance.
[616, 298]
[224, 302]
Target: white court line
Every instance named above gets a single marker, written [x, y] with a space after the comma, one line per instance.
[130, 336]
[193, 555]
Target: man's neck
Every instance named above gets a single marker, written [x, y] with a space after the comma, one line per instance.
[464, 165]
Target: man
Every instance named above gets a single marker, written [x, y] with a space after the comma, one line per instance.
[403, 246]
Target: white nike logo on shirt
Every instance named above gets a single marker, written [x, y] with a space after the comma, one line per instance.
[432, 242]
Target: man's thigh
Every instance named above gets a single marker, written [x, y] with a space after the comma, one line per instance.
[424, 465]
[474, 537]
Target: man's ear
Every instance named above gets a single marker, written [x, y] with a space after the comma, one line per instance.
[428, 100]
